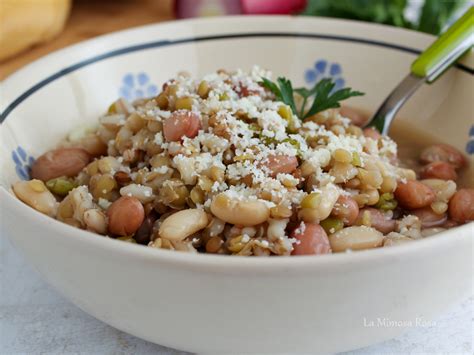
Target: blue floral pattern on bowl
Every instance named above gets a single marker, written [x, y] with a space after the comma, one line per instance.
[137, 86]
[324, 69]
[23, 163]
[470, 142]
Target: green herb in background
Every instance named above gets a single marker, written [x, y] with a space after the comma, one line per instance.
[322, 95]
[434, 14]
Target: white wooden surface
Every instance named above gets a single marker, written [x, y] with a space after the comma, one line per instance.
[35, 319]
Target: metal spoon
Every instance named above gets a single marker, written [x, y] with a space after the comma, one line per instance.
[428, 67]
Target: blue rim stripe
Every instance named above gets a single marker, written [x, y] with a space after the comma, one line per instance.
[166, 43]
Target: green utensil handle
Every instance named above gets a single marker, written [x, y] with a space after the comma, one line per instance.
[458, 39]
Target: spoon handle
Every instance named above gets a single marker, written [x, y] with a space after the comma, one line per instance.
[446, 49]
[458, 39]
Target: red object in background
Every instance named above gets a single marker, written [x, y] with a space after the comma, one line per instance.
[280, 7]
[202, 8]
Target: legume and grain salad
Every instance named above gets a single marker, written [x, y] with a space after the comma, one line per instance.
[237, 164]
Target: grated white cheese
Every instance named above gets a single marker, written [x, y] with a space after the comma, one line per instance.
[241, 130]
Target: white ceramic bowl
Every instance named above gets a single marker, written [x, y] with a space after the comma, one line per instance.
[207, 303]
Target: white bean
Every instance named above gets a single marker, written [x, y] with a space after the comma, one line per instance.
[96, 221]
[240, 212]
[143, 193]
[356, 238]
[444, 189]
[182, 224]
[328, 198]
[394, 238]
[81, 201]
[215, 227]
[35, 194]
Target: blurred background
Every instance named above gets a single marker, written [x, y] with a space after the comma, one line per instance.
[30, 29]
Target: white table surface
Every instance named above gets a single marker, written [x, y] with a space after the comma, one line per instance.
[35, 319]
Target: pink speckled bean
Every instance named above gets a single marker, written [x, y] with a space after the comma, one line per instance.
[311, 240]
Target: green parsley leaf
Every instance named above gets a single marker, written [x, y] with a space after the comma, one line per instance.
[283, 91]
[287, 95]
[270, 85]
[325, 100]
[321, 92]
[305, 93]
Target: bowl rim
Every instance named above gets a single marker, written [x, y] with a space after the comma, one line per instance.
[108, 38]
[225, 262]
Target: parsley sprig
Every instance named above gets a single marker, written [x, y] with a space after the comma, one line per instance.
[321, 93]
